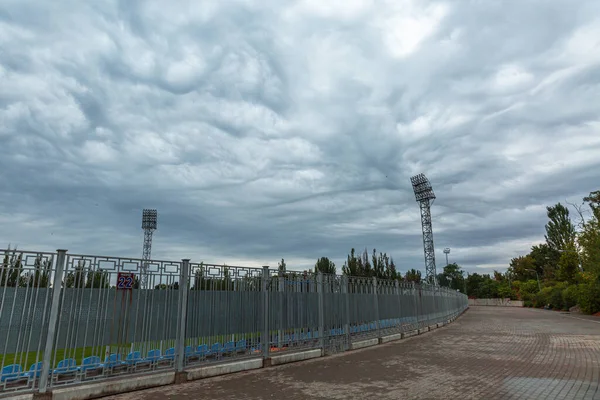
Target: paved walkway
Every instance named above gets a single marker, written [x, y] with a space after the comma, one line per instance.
[488, 353]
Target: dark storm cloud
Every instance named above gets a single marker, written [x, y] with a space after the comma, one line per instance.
[263, 130]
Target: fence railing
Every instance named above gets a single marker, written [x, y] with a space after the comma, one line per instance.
[67, 318]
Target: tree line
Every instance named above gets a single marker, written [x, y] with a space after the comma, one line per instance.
[363, 265]
[561, 272]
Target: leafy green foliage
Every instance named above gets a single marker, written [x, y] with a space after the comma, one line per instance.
[589, 297]
[281, 267]
[557, 263]
[560, 231]
[325, 265]
[413, 275]
[452, 277]
[568, 266]
[11, 269]
[380, 266]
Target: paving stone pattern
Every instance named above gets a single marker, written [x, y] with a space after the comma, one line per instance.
[488, 353]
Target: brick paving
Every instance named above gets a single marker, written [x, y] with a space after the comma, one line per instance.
[488, 353]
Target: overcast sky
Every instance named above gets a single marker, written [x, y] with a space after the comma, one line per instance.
[270, 128]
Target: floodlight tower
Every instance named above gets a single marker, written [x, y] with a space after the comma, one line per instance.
[425, 196]
[446, 252]
[149, 217]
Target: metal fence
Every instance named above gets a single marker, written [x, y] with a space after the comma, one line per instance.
[68, 318]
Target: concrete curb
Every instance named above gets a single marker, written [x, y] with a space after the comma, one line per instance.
[390, 338]
[423, 330]
[364, 343]
[28, 396]
[295, 357]
[409, 334]
[224, 369]
[108, 387]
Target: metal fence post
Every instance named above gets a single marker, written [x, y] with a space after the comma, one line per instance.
[184, 274]
[397, 290]
[376, 305]
[344, 281]
[321, 310]
[280, 296]
[265, 342]
[53, 319]
[416, 300]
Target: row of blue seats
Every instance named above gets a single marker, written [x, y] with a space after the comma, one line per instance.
[390, 323]
[13, 373]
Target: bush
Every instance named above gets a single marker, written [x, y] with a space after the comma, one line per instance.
[542, 298]
[551, 296]
[556, 296]
[588, 297]
[569, 297]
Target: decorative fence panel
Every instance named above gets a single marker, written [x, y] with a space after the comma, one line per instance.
[66, 318]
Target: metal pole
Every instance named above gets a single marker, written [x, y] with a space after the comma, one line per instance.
[321, 310]
[376, 305]
[184, 274]
[344, 280]
[397, 289]
[413, 292]
[53, 319]
[280, 295]
[265, 341]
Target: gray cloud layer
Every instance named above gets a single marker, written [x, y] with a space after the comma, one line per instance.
[269, 129]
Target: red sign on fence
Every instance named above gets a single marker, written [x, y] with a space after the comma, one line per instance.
[125, 281]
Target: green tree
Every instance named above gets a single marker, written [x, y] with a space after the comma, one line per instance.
[378, 265]
[325, 265]
[568, 266]
[364, 265]
[41, 274]
[520, 268]
[413, 275]
[452, 277]
[391, 271]
[12, 267]
[482, 286]
[97, 279]
[76, 278]
[560, 231]
[589, 237]
[199, 278]
[351, 267]
[545, 260]
[281, 267]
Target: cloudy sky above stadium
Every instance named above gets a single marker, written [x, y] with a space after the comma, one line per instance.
[268, 129]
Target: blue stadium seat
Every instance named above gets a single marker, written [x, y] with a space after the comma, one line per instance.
[170, 354]
[153, 355]
[66, 366]
[12, 373]
[113, 362]
[35, 370]
[215, 350]
[91, 366]
[202, 350]
[241, 346]
[228, 348]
